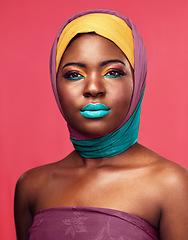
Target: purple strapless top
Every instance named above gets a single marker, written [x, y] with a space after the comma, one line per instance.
[89, 223]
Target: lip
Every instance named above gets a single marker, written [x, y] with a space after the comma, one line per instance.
[96, 110]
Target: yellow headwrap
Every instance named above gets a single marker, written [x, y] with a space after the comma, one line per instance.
[106, 25]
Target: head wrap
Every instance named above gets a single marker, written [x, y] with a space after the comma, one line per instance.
[112, 28]
[124, 34]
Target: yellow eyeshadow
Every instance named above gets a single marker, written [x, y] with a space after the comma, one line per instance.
[105, 72]
[82, 73]
[75, 71]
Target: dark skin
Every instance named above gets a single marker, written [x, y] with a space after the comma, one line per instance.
[137, 181]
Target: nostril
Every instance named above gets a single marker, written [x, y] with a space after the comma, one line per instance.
[87, 94]
[100, 94]
[92, 94]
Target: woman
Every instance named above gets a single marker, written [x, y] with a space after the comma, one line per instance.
[109, 187]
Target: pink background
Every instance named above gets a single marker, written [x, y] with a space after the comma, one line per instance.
[32, 129]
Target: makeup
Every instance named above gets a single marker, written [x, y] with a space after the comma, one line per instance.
[73, 74]
[113, 72]
[95, 110]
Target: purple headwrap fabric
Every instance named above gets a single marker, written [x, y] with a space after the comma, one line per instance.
[86, 223]
[140, 68]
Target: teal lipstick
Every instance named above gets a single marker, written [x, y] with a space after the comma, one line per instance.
[96, 110]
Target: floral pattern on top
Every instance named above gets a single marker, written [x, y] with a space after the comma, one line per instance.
[82, 223]
[75, 224]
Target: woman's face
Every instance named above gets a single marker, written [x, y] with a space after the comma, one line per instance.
[94, 70]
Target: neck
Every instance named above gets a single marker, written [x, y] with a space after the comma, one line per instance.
[116, 161]
[113, 143]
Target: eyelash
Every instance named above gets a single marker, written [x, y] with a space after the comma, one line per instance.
[71, 76]
[112, 73]
[116, 73]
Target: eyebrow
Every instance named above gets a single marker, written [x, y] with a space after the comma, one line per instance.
[74, 64]
[111, 61]
[102, 64]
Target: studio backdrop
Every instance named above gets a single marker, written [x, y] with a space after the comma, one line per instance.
[32, 130]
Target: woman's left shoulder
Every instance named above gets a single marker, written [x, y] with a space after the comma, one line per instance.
[170, 176]
[173, 179]
[170, 181]
[166, 170]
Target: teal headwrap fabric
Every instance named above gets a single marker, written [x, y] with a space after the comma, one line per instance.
[113, 143]
[126, 134]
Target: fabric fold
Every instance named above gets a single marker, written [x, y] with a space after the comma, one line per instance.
[131, 44]
[83, 223]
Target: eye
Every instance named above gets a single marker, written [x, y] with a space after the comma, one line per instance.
[73, 76]
[114, 73]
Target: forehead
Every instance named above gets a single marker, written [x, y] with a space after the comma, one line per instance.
[92, 46]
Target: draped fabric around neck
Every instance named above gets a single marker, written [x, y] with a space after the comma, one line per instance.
[129, 135]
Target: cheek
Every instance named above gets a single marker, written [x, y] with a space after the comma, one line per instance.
[66, 101]
[69, 96]
[122, 94]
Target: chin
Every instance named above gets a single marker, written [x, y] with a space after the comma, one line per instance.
[97, 129]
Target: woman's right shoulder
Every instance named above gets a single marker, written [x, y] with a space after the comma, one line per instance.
[34, 179]
[31, 180]
[28, 188]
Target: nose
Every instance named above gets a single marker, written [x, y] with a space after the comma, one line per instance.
[94, 87]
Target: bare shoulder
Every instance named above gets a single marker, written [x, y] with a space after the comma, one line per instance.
[166, 171]
[27, 190]
[28, 187]
[173, 175]
[168, 178]
[171, 184]
[173, 181]
[25, 194]
[36, 178]
[31, 181]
